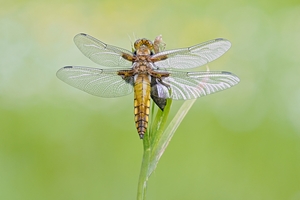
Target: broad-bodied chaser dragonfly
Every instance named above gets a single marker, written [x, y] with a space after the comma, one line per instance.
[148, 73]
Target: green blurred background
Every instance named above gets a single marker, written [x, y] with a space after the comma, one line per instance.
[57, 142]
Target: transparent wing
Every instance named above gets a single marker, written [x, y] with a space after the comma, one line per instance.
[98, 82]
[191, 85]
[101, 53]
[194, 56]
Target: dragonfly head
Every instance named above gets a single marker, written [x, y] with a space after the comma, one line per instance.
[143, 47]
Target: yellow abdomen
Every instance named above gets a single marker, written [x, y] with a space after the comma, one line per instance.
[141, 103]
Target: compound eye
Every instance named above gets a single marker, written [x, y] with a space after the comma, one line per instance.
[138, 43]
[148, 43]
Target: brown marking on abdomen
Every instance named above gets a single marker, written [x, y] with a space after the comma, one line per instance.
[141, 103]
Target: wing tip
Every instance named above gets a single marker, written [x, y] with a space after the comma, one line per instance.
[223, 40]
[83, 34]
[80, 35]
[61, 69]
[233, 76]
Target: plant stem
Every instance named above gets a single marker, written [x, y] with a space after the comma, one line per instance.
[156, 140]
[143, 179]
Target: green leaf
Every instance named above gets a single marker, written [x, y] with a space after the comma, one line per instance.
[156, 140]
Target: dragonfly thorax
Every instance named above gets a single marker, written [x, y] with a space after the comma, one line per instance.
[142, 67]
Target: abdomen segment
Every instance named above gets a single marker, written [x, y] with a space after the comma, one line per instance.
[141, 103]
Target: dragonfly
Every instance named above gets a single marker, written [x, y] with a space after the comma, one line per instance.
[148, 72]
